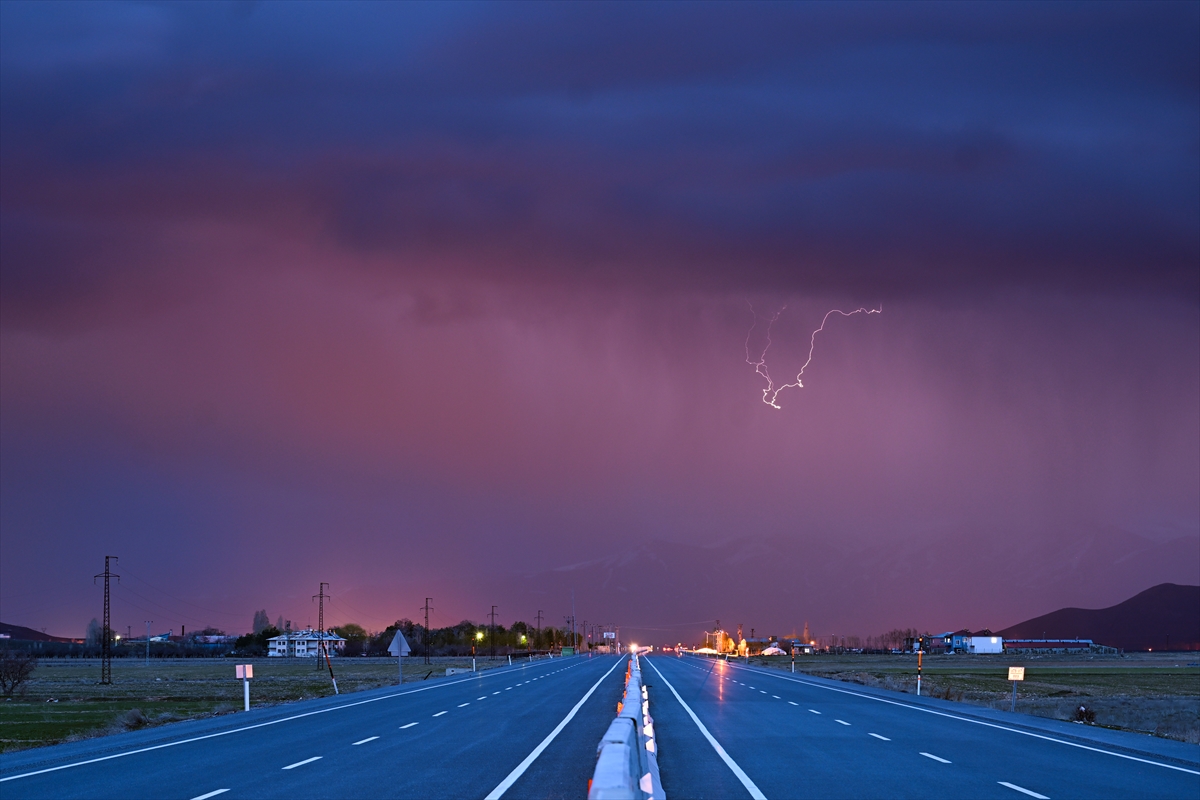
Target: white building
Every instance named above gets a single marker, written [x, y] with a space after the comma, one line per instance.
[986, 644]
[304, 644]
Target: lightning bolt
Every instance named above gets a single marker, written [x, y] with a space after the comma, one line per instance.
[771, 393]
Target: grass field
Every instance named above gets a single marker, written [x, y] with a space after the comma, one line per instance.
[64, 700]
[1156, 693]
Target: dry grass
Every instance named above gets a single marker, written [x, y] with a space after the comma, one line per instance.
[64, 701]
[1146, 692]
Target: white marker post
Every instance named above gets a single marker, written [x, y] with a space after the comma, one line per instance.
[1015, 674]
[399, 648]
[245, 672]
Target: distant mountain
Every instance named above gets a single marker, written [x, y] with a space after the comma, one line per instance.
[29, 634]
[1163, 617]
[957, 578]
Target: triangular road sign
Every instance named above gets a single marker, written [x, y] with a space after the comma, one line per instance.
[399, 645]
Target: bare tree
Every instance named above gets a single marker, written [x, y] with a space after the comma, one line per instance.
[261, 621]
[94, 633]
[15, 668]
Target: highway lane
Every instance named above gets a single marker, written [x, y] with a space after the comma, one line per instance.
[457, 738]
[795, 737]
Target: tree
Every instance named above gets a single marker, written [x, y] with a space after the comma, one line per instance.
[255, 643]
[261, 621]
[356, 638]
[95, 633]
[15, 668]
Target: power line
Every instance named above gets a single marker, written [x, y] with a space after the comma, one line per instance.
[180, 599]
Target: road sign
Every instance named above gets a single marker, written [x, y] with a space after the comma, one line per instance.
[244, 671]
[1016, 673]
[399, 645]
[610, 634]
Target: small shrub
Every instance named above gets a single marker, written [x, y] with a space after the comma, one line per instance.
[132, 720]
[15, 668]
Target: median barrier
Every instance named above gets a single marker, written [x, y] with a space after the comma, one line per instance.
[627, 756]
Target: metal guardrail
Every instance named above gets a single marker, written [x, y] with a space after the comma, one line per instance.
[627, 757]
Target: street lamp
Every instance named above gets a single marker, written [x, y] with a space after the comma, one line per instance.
[477, 640]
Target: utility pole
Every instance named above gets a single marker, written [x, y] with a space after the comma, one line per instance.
[149, 622]
[427, 608]
[539, 624]
[106, 631]
[493, 616]
[128, 632]
[321, 618]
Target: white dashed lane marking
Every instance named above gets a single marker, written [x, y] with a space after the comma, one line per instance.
[813, 711]
[790, 703]
[302, 763]
[463, 705]
[841, 722]
[935, 758]
[210, 794]
[409, 725]
[440, 713]
[880, 738]
[368, 739]
[1023, 790]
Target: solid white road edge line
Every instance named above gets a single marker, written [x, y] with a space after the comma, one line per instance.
[498, 671]
[997, 726]
[499, 791]
[1020, 789]
[368, 739]
[939, 759]
[729, 762]
[210, 794]
[302, 763]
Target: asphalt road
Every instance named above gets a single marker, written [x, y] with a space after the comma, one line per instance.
[782, 736]
[526, 731]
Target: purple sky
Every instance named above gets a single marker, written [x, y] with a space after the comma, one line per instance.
[452, 300]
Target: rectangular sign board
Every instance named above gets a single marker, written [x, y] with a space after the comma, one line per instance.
[244, 671]
[1016, 673]
[610, 634]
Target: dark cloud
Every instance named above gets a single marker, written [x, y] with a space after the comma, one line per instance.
[876, 149]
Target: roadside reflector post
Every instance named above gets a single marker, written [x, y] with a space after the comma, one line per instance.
[920, 653]
[245, 672]
[1015, 674]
